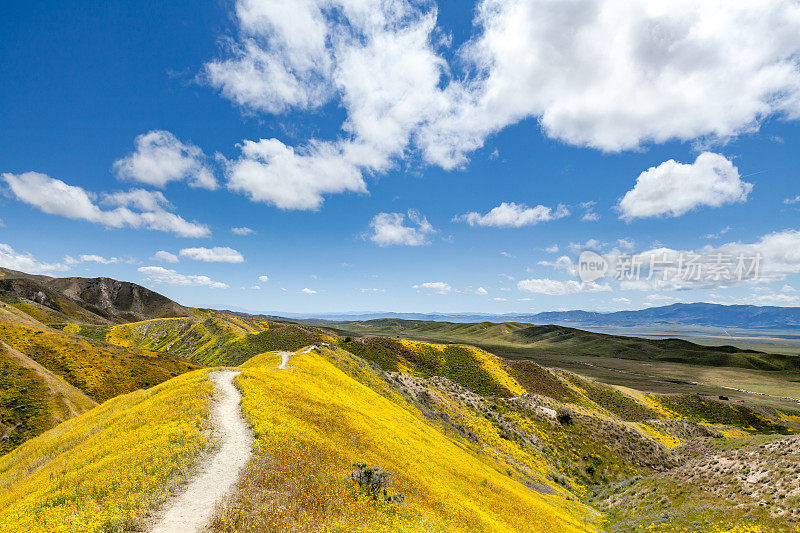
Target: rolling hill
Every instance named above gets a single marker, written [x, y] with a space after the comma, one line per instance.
[104, 418]
[517, 340]
[213, 337]
[53, 366]
[460, 460]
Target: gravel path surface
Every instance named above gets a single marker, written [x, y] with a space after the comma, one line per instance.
[191, 510]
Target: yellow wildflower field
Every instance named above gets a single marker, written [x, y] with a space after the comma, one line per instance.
[313, 422]
[103, 470]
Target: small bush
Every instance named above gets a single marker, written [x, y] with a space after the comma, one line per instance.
[564, 415]
[375, 480]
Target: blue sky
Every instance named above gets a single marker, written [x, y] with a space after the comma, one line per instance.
[366, 145]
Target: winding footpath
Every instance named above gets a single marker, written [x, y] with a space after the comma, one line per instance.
[192, 509]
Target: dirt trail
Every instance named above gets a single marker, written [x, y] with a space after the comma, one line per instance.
[191, 510]
[284, 360]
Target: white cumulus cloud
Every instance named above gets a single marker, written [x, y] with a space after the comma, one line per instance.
[673, 189]
[387, 229]
[160, 158]
[513, 215]
[159, 275]
[682, 70]
[217, 254]
[678, 70]
[263, 278]
[272, 172]
[54, 197]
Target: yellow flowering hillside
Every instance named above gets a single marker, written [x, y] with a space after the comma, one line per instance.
[104, 470]
[314, 421]
[33, 399]
[473, 368]
[213, 337]
[100, 370]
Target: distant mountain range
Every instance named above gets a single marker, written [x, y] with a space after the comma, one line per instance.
[105, 300]
[694, 314]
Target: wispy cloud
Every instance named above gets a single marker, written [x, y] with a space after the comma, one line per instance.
[217, 254]
[438, 287]
[161, 275]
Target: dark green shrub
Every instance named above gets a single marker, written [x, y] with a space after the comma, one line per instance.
[375, 480]
[564, 415]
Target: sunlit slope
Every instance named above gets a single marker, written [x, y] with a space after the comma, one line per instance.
[475, 369]
[100, 370]
[213, 337]
[613, 434]
[487, 375]
[103, 470]
[33, 399]
[738, 487]
[313, 421]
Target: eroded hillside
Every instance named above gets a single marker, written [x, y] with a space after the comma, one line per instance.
[84, 300]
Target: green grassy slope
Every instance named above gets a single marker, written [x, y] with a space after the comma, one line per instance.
[48, 375]
[100, 370]
[518, 340]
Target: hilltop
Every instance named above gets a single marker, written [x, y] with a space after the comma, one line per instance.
[85, 300]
